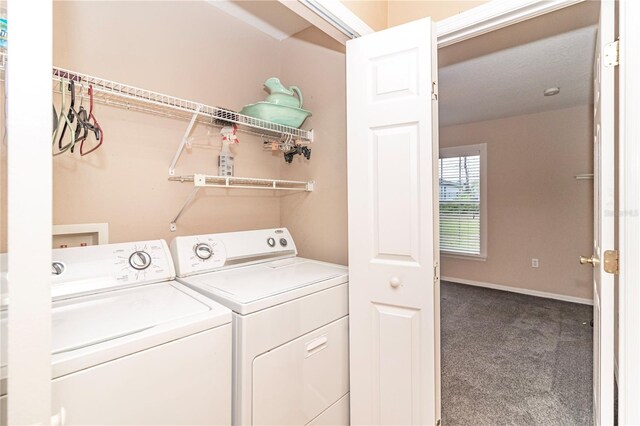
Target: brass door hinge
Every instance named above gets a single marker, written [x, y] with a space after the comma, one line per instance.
[612, 54]
[611, 261]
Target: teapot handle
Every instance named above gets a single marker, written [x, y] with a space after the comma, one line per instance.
[298, 92]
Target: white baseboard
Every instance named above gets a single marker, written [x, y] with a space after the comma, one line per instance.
[536, 293]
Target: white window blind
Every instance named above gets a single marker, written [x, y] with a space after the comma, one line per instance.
[461, 211]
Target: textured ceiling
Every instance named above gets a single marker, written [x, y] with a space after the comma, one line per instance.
[511, 81]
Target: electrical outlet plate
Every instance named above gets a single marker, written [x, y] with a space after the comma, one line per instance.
[535, 263]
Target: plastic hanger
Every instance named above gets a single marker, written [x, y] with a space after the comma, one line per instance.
[82, 122]
[63, 118]
[93, 126]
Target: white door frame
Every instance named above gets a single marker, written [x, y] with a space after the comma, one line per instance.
[492, 16]
[29, 207]
[629, 216]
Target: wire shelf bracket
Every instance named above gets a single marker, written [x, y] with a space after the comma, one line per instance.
[231, 182]
[184, 141]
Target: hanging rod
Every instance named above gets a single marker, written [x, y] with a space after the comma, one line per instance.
[125, 96]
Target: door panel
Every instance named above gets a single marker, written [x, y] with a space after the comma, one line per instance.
[396, 338]
[604, 208]
[395, 188]
[393, 222]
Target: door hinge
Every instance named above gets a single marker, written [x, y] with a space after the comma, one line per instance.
[612, 54]
[438, 422]
[434, 91]
[436, 268]
[611, 261]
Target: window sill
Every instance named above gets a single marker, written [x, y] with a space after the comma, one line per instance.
[477, 258]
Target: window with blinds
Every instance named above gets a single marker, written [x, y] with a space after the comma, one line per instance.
[461, 206]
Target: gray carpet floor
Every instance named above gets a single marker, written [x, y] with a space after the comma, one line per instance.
[512, 359]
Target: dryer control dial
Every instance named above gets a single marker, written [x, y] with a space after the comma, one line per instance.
[203, 251]
[57, 268]
[140, 260]
[271, 242]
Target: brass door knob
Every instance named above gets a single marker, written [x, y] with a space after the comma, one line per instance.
[592, 260]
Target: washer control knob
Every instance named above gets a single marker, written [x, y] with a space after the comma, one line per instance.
[271, 241]
[203, 251]
[140, 260]
[57, 268]
[283, 242]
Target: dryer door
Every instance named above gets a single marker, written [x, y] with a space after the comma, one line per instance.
[297, 381]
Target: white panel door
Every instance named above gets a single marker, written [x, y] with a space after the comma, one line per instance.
[604, 208]
[393, 226]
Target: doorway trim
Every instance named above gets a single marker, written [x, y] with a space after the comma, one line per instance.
[629, 216]
[492, 16]
[29, 213]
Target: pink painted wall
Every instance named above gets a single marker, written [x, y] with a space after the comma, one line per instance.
[536, 209]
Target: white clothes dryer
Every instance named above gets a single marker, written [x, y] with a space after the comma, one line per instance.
[291, 340]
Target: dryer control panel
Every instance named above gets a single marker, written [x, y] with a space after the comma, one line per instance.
[93, 269]
[206, 253]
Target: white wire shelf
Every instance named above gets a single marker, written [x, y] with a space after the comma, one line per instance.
[209, 181]
[134, 98]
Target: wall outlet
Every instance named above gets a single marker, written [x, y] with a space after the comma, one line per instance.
[535, 263]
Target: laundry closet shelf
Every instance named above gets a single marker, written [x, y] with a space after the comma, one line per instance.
[210, 181]
[233, 182]
[134, 98]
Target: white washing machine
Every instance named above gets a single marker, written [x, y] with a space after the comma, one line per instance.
[132, 346]
[291, 344]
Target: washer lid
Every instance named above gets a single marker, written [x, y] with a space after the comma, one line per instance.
[95, 319]
[118, 322]
[251, 283]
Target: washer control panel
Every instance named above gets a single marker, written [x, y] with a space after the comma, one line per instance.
[207, 253]
[92, 269]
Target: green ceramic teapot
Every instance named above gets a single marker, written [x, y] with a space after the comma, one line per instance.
[280, 95]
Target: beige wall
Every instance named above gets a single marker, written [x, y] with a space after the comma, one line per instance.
[372, 12]
[401, 12]
[383, 14]
[185, 49]
[318, 220]
[125, 182]
[536, 209]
